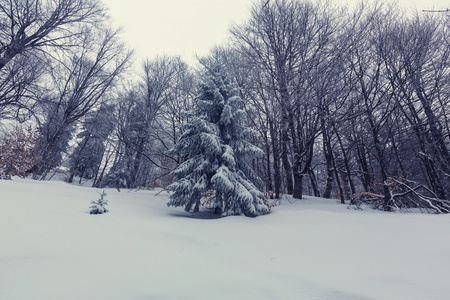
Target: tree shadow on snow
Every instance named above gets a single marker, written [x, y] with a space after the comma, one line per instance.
[202, 215]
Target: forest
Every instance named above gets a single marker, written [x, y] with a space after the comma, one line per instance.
[346, 103]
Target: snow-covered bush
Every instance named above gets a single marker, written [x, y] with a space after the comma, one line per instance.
[218, 150]
[99, 206]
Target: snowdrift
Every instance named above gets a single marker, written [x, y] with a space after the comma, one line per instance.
[52, 248]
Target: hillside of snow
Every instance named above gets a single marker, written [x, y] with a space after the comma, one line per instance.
[52, 248]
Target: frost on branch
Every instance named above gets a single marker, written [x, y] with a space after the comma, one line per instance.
[404, 195]
[217, 148]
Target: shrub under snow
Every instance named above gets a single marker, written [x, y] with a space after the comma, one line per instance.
[99, 206]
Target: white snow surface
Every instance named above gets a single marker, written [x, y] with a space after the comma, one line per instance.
[52, 248]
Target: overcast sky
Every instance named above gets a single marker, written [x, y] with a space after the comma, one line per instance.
[189, 27]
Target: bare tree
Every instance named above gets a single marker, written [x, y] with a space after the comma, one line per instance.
[287, 40]
[80, 84]
[19, 85]
[417, 56]
[150, 116]
[36, 24]
[33, 35]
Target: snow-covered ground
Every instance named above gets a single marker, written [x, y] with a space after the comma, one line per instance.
[52, 248]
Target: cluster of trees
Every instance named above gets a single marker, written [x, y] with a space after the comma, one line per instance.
[356, 100]
[59, 62]
[352, 104]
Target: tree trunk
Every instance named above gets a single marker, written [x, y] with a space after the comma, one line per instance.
[338, 181]
[276, 160]
[328, 153]
[348, 175]
[286, 163]
[137, 163]
[314, 184]
[345, 184]
[269, 184]
[298, 185]
[72, 175]
[366, 178]
[98, 177]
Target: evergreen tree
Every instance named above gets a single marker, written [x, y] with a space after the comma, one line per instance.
[88, 154]
[216, 145]
[99, 207]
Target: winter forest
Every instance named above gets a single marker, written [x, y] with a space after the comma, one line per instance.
[303, 98]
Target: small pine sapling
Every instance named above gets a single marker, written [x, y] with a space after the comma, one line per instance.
[99, 206]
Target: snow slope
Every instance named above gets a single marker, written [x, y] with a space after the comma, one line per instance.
[51, 248]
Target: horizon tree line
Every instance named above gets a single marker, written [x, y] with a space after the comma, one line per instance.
[350, 104]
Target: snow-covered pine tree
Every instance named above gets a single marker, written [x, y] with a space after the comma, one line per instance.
[99, 207]
[217, 145]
